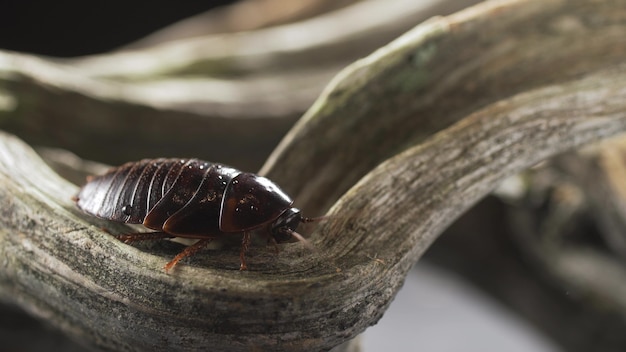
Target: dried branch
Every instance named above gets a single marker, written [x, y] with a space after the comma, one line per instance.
[329, 41]
[132, 104]
[432, 77]
[416, 95]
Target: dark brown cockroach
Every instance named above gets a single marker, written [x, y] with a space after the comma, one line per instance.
[191, 198]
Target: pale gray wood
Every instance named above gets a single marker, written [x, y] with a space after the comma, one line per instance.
[325, 41]
[227, 97]
[48, 103]
[58, 264]
[435, 75]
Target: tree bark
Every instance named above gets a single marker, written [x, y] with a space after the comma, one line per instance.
[402, 143]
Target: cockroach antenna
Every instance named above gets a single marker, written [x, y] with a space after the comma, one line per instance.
[308, 244]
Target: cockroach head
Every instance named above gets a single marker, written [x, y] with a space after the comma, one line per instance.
[285, 225]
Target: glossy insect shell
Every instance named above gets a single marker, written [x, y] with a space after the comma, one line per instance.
[184, 197]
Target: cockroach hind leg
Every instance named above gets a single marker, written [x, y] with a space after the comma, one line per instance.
[187, 252]
[245, 243]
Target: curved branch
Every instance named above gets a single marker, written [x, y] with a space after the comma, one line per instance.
[239, 16]
[296, 299]
[432, 77]
[52, 104]
[52, 255]
[331, 40]
[160, 101]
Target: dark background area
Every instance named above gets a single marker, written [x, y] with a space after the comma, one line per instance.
[74, 28]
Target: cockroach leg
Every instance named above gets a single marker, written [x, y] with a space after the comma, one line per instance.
[245, 243]
[272, 240]
[189, 251]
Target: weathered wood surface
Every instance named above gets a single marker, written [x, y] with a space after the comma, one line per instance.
[434, 76]
[429, 124]
[191, 97]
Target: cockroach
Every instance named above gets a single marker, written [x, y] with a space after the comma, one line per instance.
[191, 198]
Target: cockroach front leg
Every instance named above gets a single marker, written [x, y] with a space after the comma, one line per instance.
[272, 240]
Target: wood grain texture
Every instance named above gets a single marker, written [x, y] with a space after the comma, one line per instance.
[191, 97]
[432, 122]
[435, 75]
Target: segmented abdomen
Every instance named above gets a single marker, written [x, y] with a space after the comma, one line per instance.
[160, 193]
